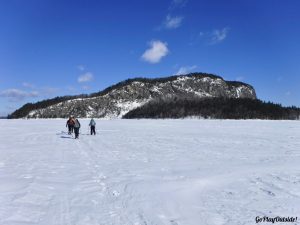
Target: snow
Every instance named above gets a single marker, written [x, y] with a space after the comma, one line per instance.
[239, 91]
[32, 112]
[207, 79]
[126, 106]
[182, 79]
[90, 112]
[156, 89]
[162, 172]
[138, 83]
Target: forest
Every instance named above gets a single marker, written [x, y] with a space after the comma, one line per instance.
[214, 108]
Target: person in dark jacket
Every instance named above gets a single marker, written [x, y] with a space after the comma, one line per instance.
[70, 125]
[93, 126]
[76, 128]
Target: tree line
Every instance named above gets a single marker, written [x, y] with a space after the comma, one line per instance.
[214, 108]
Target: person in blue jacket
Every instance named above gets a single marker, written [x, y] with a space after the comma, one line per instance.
[93, 126]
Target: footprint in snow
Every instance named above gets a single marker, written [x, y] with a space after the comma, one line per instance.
[116, 193]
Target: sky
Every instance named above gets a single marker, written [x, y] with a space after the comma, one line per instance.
[53, 48]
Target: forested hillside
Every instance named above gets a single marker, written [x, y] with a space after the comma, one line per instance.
[215, 108]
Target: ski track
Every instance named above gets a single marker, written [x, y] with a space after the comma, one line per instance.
[149, 172]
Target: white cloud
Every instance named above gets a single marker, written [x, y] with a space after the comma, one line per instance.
[210, 37]
[18, 95]
[156, 52]
[177, 4]
[27, 85]
[218, 36]
[87, 77]
[185, 70]
[173, 22]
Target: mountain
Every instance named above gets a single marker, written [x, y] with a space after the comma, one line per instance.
[119, 99]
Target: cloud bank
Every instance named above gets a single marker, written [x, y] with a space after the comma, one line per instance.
[17, 95]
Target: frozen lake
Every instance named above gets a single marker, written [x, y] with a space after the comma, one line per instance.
[149, 172]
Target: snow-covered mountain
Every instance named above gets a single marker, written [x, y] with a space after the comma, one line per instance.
[121, 98]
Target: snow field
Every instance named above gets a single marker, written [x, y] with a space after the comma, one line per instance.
[158, 172]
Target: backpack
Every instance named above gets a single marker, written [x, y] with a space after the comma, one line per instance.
[77, 124]
[92, 123]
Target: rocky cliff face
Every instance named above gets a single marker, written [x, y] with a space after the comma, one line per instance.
[131, 94]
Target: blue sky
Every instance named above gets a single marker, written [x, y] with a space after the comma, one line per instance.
[51, 48]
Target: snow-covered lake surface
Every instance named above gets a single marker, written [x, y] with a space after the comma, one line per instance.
[154, 172]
